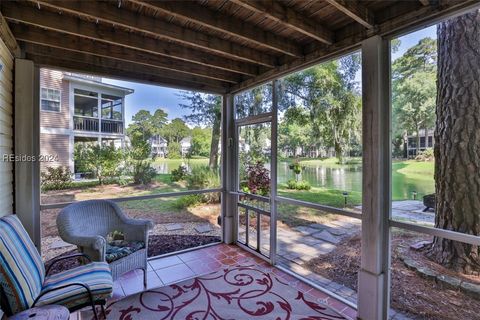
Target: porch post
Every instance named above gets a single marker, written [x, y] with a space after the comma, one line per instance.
[27, 143]
[228, 169]
[373, 278]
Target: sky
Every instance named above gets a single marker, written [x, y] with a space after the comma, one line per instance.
[150, 97]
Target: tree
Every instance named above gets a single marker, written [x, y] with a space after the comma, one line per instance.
[141, 126]
[457, 146]
[201, 142]
[138, 162]
[414, 77]
[145, 125]
[205, 110]
[102, 159]
[158, 121]
[175, 131]
[173, 150]
[414, 103]
[331, 96]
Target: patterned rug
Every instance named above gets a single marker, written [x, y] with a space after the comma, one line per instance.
[242, 292]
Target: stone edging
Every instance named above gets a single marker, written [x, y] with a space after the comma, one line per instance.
[450, 282]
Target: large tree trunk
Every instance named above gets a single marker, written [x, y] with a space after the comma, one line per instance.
[457, 141]
[213, 160]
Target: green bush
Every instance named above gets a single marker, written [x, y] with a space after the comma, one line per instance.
[298, 185]
[188, 201]
[179, 174]
[425, 155]
[143, 172]
[202, 177]
[56, 178]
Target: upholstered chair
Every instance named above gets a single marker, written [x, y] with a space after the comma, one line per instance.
[25, 283]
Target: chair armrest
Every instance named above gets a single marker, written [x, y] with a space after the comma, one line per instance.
[74, 255]
[137, 229]
[140, 223]
[93, 242]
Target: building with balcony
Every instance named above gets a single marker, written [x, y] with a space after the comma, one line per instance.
[427, 141]
[77, 108]
[158, 146]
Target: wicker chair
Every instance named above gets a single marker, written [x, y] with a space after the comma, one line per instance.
[87, 224]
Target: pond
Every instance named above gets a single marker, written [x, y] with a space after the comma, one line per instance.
[349, 178]
[165, 166]
[340, 177]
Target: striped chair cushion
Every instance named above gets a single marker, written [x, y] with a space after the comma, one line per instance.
[21, 268]
[96, 275]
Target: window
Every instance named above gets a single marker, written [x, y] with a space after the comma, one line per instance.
[86, 103]
[50, 99]
[111, 107]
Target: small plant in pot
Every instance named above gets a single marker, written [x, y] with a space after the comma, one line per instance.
[297, 169]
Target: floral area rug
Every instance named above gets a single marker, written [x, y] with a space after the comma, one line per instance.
[242, 292]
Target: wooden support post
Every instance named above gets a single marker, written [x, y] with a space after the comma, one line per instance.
[373, 278]
[27, 142]
[228, 170]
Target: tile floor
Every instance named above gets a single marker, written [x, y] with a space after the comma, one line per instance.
[168, 270]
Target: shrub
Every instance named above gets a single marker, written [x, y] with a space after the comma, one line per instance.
[425, 155]
[56, 178]
[143, 172]
[188, 201]
[298, 185]
[202, 177]
[179, 174]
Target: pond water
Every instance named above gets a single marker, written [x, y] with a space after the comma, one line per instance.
[165, 166]
[349, 178]
[341, 177]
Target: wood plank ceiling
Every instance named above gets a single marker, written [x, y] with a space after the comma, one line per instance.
[207, 45]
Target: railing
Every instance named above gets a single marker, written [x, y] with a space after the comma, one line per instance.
[85, 124]
[110, 126]
[92, 125]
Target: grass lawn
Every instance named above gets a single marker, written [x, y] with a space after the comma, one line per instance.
[293, 215]
[415, 168]
[328, 197]
[330, 162]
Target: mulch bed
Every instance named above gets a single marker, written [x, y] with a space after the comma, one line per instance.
[157, 245]
[417, 297]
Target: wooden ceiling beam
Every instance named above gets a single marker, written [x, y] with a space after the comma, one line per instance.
[77, 27]
[8, 38]
[110, 13]
[218, 21]
[355, 11]
[67, 55]
[275, 11]
[407, 22]
[63, 41]
[104, 71]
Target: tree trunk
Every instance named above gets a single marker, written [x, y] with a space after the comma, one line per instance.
[417, 151]
[426, 136]
[213, 160]
[457, 141]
